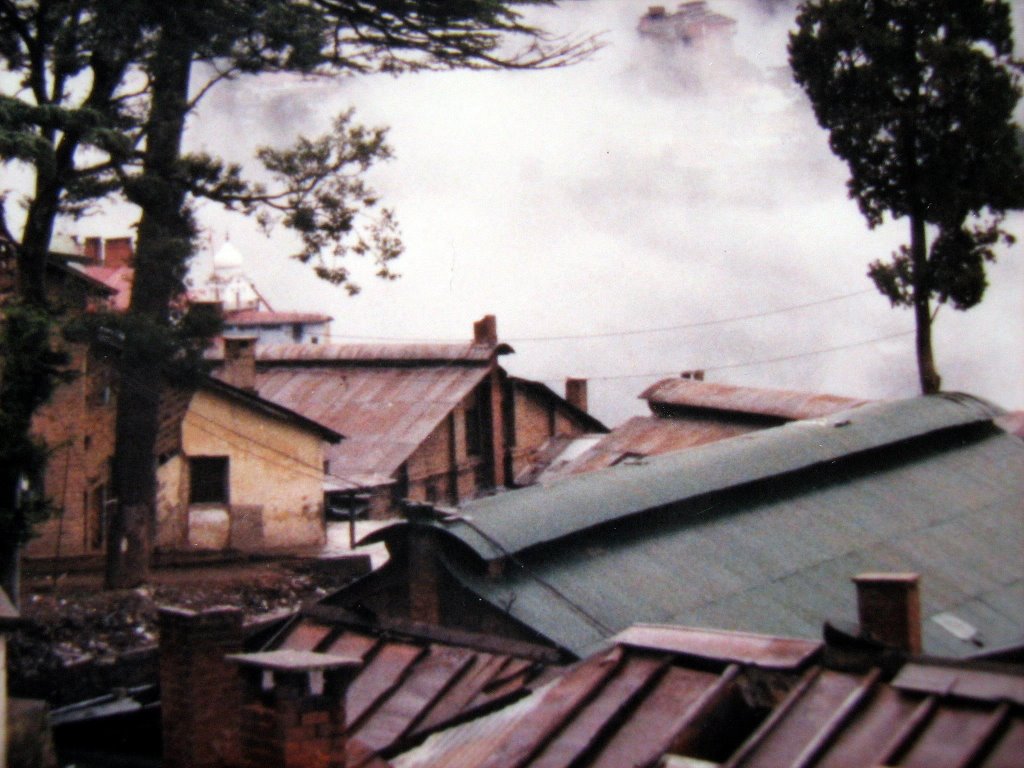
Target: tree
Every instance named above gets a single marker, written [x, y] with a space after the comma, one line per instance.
[139, 136]
[918, 98]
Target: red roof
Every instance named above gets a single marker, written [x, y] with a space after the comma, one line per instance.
[119, 279]
[386, 399]
[409, 684]
[256, 317]
[672, 696]
[781, 404]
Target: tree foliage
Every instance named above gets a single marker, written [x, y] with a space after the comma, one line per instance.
[103, 94]
[918, 97]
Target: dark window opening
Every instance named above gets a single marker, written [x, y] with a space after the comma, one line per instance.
[208, 480]
[474, 438]
[297, 331]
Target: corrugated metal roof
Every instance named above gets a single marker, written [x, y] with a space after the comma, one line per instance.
[408, 685]
[773, 556]
[765, 651]
[379, 353]
[537, 515]
[643, 436]
[384, 412]
[781, 404]
[257, 317]
[635, 705]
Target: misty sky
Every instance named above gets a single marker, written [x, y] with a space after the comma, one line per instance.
[644, 189]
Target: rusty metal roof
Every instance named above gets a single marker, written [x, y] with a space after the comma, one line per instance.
[781, 404]
[445, 354]
[765, 651]
[258, 317]
[408, 685]
[385, 412]
[655, 703]
[643, 436]
[836, 719]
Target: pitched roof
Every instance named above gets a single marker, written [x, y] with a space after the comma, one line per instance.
[408, 683]
[651, 696]
[642, 436]
[749, 401]
[760, 532]
[270, 408]
[118, 279]
[256, 317]
[386, 399]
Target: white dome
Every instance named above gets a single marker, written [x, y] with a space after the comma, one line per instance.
[227, 258]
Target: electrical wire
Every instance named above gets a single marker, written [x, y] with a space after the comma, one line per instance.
[620, 334]
[752, 363]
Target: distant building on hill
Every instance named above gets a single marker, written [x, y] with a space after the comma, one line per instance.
[247, 313]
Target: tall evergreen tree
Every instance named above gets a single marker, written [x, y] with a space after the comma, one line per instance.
[918, 97]
[137, 133]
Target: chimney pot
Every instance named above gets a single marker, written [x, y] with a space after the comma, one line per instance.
[576, 393]
[889, 609]
[485, 331]
[294, 708]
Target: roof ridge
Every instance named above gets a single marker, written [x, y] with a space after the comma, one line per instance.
[511, 522]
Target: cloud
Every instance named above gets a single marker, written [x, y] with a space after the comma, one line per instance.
[648, 187]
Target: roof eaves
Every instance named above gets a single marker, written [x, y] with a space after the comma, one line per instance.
[266, 406]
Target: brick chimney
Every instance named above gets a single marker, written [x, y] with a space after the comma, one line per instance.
[421, 556]
[93, 250]
[118, 252]
[889, 609]
[293, 708]
[485, 331]
[576, 393]
[240, 362]
[199, 691]
[697, 375]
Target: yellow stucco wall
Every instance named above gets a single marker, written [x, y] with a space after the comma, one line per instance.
[275, 472]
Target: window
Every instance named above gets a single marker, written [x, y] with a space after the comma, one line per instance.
[474, 428]
[208, 480]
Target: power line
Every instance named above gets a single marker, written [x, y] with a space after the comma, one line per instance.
[763, 361]
[630, 332]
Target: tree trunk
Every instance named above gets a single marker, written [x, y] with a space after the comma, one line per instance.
[163, 248]
[927, 373]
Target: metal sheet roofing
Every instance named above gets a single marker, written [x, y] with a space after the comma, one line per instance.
[924, 485]
[385, 412]
[515, 521]
[644, 436]
[257, 317]
[781, 404]
[640, 704]
[379, 353]
[408, 685]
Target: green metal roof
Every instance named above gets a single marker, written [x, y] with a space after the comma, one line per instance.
[763, 532]
[515, 521]
[782, 563]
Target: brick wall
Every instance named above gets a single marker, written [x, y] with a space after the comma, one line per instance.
[77, 425]
[293, 712]
[200, 692]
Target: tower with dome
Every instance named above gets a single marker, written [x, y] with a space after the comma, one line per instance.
[248, 313]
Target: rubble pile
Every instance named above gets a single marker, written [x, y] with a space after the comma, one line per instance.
[77, 638]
